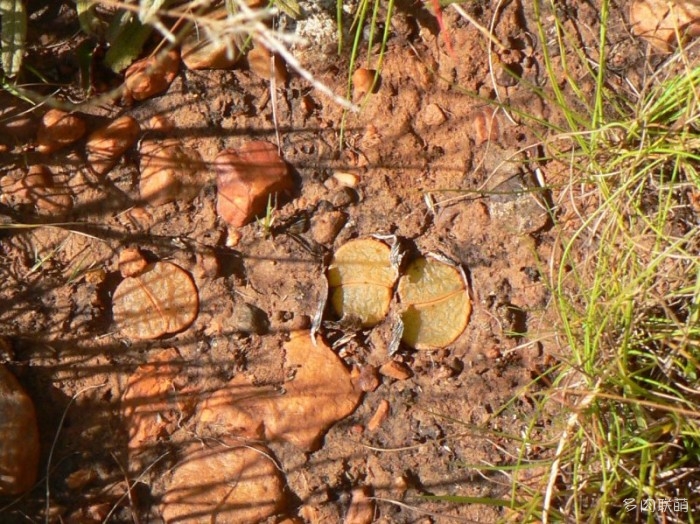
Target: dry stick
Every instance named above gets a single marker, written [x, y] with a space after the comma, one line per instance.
[55, 441]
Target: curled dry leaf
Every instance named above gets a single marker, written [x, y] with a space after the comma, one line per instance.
[168, 172]
[245, 179]
[200, 52]
[37, 188]
[161, 300]
[226, 483]
[320, 393]
[19, 437]
[150, 403]
[58, 129]
[152, 76]
[362, 81]
[361, 277]
[436, 303]
[656, 21]
[105, 145]
[263, 64]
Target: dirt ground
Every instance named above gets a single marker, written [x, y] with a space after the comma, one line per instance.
[428, 171]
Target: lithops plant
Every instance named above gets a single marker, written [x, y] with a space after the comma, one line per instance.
[361, 278]
[435, 303]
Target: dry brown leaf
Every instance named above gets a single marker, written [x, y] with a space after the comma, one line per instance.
[150, 403]
[320, 393]
[168, 172]
[161, 300]
[105, 145]
[58, 129]
[19, 437]
[227, 484]
[246, 177]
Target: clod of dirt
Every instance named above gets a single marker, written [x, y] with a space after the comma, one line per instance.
[152, 76]
[225, 483]
[264, 64]
[326, 226]
[131, 262]
[58, 129]
[432, 115]
[361, 277]
[200, 52]
[105, 145]
[149, 405]
[362, 81]
[361, 510]
[656, 21]
[320, 393]
[37, 188]
[396, 370]
[436, 303]
[168, 172]
[161, 300]
[19, 437]
[246, 177]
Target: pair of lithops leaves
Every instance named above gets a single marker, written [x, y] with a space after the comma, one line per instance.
[432, 292]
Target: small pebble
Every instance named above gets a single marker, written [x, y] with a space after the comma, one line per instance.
[380, 415]
[397, 370]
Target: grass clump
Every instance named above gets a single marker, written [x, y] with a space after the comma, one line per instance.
[615, 435]
[627, 289]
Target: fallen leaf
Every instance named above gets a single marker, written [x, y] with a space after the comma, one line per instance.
[19, 435]
[168, 172]
[226, 483]
[58, 129]
[361, 277]
[161, 300]
[436, 303]
[246, 177]
[105, 145]
[150, 404]
[320, 393]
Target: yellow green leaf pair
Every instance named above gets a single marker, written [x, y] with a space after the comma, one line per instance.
[433, 295]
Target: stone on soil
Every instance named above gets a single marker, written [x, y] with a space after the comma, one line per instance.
[19, 437]
[246, 178]
[656, 21]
